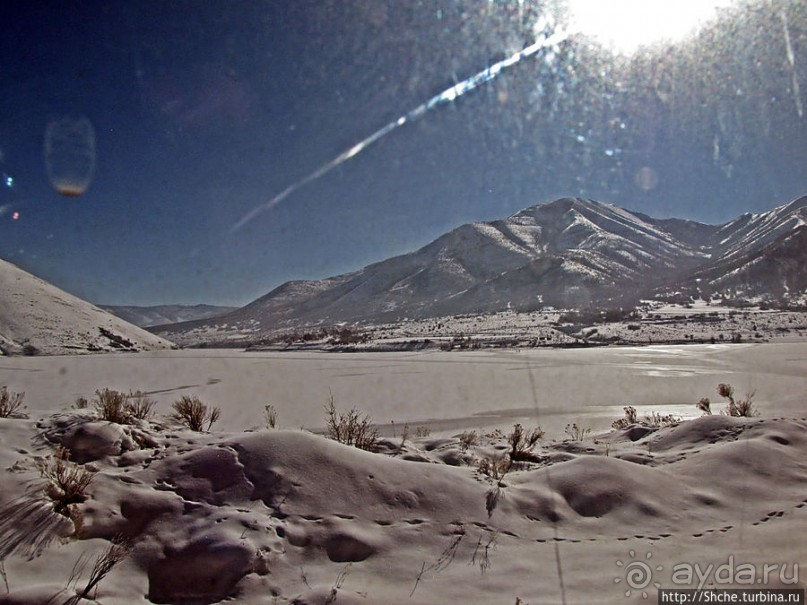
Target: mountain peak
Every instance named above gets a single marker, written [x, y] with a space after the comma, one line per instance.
[562, 205]
[568, 253]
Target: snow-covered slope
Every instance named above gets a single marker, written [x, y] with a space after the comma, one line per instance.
[165, 314]
[39, 318]
[751, 232]
[774, 271]
[567, 253]
[757, 256]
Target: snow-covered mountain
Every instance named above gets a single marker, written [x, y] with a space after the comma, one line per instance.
[751, 232]
[567, 253]
[38, 318]
[758, 255]
[164, 314]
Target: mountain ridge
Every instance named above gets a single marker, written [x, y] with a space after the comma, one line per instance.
[154, 315]
[569, 253]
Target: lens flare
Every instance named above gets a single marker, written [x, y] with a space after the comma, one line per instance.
[626, 25]
[70, 155]
[646, 178]
[447, 96]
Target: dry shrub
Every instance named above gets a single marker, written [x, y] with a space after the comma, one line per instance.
[423, 431]
[194, 414]
[139, 405]
[10, 403]
[117, 407]
[744, 407]
[521, 442]
[575, 432]
[350, 428]
[657, 419]
[67, 483]
[654, 419]
[467, 439]
[726, 391]
[110, 405]
[705, 406]
[270, 416]
[740, 407]
[494, 467]
[629, 419]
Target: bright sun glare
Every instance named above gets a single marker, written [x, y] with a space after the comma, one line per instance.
[625, 25]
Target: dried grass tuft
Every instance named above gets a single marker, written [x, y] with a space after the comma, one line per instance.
[194, 414]
[350, 428]
[10, 403]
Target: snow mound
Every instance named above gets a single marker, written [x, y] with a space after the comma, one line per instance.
[291, 517]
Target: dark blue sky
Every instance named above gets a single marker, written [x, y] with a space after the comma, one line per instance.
[203, 111]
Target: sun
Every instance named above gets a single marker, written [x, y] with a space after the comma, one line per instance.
[626, 25]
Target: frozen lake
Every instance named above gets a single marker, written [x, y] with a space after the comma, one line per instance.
[446, 391]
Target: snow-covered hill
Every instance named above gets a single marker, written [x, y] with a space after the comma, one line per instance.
[39, 318]
[749, 233]
[567, 253]
[756, 256]
[164, 314]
